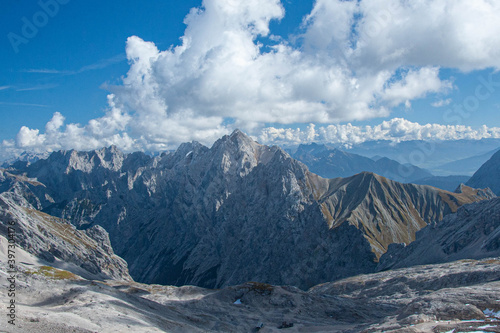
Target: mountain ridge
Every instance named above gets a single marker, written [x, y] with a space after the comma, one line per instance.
[198, 215]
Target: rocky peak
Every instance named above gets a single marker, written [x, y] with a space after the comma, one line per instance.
[312, 148]
[184, 154]
[485, 193]
[239, 154]
[57, 242]
[238, 140]
[110, 158]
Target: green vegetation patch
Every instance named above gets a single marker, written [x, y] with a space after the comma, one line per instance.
[53, 273]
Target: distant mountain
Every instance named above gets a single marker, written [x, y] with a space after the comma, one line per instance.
[431, 155]
[24, 158]
[473, 232]
[236, 212]
[331, 163]
[488, 175]
[448, 183]
[467, 166]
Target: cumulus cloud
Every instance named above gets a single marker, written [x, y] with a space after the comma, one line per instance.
[395, 130]
[450, 33]
[355, 60]
[220, 71]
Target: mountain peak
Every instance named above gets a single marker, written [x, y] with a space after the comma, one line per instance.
[237, 132]
[238, 139]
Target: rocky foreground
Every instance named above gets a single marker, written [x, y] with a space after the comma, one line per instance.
[462, 296]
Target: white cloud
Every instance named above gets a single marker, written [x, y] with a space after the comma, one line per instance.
[448, 33]
[23, 104]
[357, 60]
[220, 71]
[98, 65]
[396, 130]
[441, 103]
[38, 87]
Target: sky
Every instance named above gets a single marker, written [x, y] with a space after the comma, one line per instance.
[149, 75]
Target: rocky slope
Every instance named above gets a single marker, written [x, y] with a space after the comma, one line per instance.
[454, 297]
[473, 232]
[87, 253]
[386, 210]
[332, 163]
[235, 212]
[488, 175]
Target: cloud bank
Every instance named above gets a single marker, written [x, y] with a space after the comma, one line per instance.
[355, 60]
[395, 130]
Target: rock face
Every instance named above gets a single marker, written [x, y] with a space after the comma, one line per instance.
[488, 175]
[473, 232]
[236, 212]
[86, 253]
[331, 163]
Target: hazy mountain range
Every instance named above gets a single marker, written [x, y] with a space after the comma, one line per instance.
[442, 158]
[332, 162]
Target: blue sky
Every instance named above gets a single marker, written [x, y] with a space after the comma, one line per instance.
[82, 34]
[319, 70]
[85, 34]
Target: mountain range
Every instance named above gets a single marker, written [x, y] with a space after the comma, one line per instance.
[442, 158]
[236, 212]
[332, 163]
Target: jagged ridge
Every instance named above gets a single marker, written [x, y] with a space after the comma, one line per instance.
[235, 212]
